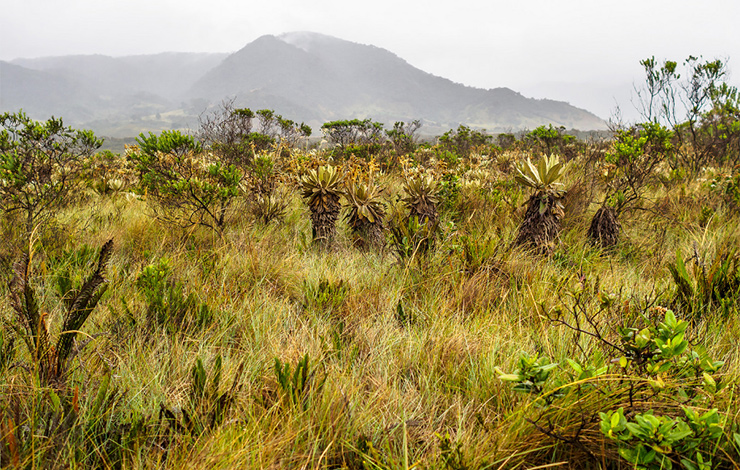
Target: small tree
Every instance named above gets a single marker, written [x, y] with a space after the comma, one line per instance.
[691, 106]
[40, 163]
[227, 132]
[464, 140]
[230, 132]
[403, 136]
[628, 169]
[185, 185]
[354, 131]
[549, 139]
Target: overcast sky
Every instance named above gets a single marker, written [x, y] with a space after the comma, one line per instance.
[585, 52]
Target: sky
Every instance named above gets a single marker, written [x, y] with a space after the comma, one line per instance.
[584, 52]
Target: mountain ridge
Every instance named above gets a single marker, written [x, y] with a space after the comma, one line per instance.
[304, 76]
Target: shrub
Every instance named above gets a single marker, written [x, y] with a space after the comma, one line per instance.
[354, 131]
[40, 165]
[167, 305]
[550, 140]
[185, 185]
[464, 140]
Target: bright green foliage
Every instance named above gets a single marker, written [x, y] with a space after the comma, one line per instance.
[167, 305]
[301, 385]
[632, 163]
[653, 442]
[661, 351]
[185, 185]
[657, 359]
[549, 139]
[531, 374]
[40, 164]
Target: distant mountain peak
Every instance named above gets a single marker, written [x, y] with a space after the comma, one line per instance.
[306, 40]
[302, 75]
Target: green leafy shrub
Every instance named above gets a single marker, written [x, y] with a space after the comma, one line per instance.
[655, 442]
[403, 136]
[549, 140]
[40, 165]
[463, 141]
[656, 366]
[167, 305]
[185, 185]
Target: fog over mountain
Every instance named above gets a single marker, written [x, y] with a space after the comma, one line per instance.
[306, 77]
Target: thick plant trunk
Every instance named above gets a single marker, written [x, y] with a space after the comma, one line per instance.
[541, 225]
[324, 223]
[605, 227]
[425, 211]
[368, 235]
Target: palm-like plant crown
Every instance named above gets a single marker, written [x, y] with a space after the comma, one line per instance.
[544, 179]
[322, 189]
[421, 197]
[366, 214]
[365, 205]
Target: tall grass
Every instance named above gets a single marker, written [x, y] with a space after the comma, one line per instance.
[402, 354]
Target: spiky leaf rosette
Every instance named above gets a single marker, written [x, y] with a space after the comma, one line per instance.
[422, 197]
[322, 189]
[541, 224]
[365, 214]
[543, 177]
